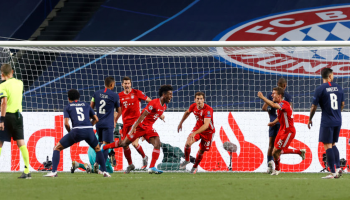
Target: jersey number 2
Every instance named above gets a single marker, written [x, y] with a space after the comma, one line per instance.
[102, 105]
[334, 103]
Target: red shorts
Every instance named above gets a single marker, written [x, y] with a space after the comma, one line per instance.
[206, 139]
[284, 138]
[125, 131]
[146, 132]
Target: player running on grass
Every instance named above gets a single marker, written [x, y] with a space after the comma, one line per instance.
[130, 102]
[80, 113]
[273, 130]
[106, 101]
[330, 96]
[204, 130]
[287, 130]
[143, 127]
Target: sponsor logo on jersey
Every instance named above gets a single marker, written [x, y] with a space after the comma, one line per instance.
[132, 96]
[330, 23]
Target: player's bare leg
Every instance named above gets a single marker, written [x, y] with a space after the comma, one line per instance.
[127, 154]
[300, 152]
[189, 142]
[199, 158]
[276, 156]
[139, 149]
[155, 141]
[270, 162]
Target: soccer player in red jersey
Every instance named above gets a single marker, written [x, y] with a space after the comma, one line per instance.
[287, 130]
[204, 130]
[130, 102]
[143, 127]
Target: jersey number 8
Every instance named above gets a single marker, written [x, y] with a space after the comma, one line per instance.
[334, 103]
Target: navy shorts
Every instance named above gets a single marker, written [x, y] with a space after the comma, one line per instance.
[329, 134]
[77, 135]
[273, 130]
[105, 134]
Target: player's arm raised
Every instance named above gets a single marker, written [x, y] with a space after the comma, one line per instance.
[204, 127]
[268, 102]
[184, 117]
[148, 99]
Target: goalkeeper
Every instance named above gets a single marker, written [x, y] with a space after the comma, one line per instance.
[92, 159]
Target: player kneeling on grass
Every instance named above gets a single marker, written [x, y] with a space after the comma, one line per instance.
[143, 127]
[204, 130]
[88, 166]
[287, 130]
[80, 113]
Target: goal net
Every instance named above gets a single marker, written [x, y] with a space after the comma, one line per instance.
[230, 77]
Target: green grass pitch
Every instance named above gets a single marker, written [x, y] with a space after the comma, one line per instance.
[175, 186]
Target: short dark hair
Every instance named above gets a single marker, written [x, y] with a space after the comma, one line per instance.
[126, 78]
[164, 89]
[325, 72]
[73, 95]
[6, 69]
[280, 91]
[281, 82]
[199, 94]
[109, 80]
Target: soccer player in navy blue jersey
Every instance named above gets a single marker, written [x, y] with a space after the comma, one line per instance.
[330, 97]
[80, 114]
[106, 101]
[273, 130]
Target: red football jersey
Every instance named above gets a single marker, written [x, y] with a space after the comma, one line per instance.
[131, 106]
[285, 116]
[155, 110]
[201, 114]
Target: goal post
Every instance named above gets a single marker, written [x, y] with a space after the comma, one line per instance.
[229, 73]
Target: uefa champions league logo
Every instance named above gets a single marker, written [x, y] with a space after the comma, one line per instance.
[317, 24]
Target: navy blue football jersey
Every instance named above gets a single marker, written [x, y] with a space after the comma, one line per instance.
[272, 111]
[105, 101]
[80, 113]
[330, 96]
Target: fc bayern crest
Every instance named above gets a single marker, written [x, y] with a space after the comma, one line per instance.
[330, 23]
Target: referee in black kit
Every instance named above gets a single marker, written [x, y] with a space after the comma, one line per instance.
[11, 120]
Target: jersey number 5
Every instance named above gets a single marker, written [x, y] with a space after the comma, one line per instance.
[80, 113]
[334, 103]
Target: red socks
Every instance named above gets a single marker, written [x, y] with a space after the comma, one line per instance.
[155, 156]
[127, 154]
[111, 145]
[140, 150]
[187, 153]
[198, 160]
[277, 164]
[291, 151]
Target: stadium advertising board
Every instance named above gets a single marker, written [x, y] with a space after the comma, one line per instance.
[248, 130]
[331, 23]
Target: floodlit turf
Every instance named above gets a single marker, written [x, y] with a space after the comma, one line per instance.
[175, 186]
